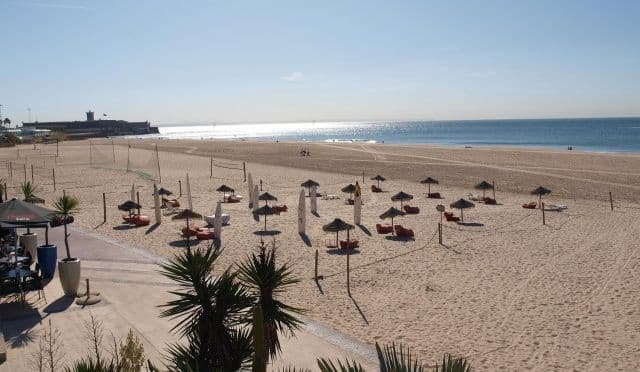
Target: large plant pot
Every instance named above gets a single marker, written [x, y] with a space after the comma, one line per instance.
[69, 273]
[47, 257]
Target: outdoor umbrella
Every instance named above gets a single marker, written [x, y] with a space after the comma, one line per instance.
[540, 191]
[129, 206]
[265, 211]
[429, 181]
[186, 214]
[401, 196]
[392, 213]
[34, 200]
[484, 186]
[378, 178]
[163, 191]
[308, 184]
[336, 226]
[267, 198]
[224, 189]
[462, 205]
[18, 212]
[350, 189]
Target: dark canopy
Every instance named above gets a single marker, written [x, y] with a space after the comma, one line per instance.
[267, 197]
[462, 204]
[265, 211]
[309, 183]
[350, 188]
[337, 225]
[402, 196]
[540, 190]
[484, 185]
[129, 205]
[429, 180]
[18, 212]
[392, 212]
[163, 191]
[378, 178]
[225, 189]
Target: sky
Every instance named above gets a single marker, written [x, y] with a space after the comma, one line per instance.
[268, 61]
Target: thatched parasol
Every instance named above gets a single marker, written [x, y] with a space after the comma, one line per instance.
[379, 178]
[224, 189]
[401, 197]
[462, 204]
[429, 181]
[129, 206]
[484, 186]
[392, 213]
[163, 191]
[308, 184]
[350, 189]
[336, 226]
[267, 198]
[540, 190]
[265, 211]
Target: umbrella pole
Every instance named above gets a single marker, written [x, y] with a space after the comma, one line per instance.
[429, 189]
[46, 235]
[540, 201]
[337, 232]
[462, 214]
[393, 227]
[265, 222]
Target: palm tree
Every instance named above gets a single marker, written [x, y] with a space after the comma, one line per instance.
[66, 206]
[211, 312]
[28, 189]
[266, 281]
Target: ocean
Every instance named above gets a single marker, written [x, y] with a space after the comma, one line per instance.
[596, 134]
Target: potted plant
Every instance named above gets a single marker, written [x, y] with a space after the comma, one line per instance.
[69, 267]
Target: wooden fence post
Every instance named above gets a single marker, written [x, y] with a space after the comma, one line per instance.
[244, 171]
[348, 279]
[104, 207]
[180, 186]
[611, 199]
[53, 170]
[31, 173]
[543, 219]
[315, 271]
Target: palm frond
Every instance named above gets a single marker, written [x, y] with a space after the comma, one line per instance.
[397, 359]
[451, 364]
[327, 365]
[66, 205]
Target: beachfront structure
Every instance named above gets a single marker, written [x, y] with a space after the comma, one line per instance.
[91, 127]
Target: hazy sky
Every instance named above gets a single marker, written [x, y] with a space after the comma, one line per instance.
[204, 61]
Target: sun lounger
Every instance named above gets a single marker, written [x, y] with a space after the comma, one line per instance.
[434, 195]
[554, 207]
[475, 197]
[205, 235]
[349, 244]
[280, 208]
[173, 203]
[191, 231]
[326, 196]
[384, 229]
[450, 217]
[349, 201]
[233, 199]
[490, 201]
[140, 220]
[403, 232]
[212, 219]
[375, 188]
[411, 210]
[531, 205]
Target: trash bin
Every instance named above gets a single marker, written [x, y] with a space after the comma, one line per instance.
[47, 257]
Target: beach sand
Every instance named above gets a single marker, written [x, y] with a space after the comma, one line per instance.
[504, 290]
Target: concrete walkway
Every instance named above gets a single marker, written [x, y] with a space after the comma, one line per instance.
[131, 291]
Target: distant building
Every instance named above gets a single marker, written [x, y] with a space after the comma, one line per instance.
[94, 128]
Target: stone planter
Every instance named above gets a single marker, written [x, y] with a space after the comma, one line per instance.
[69, 273]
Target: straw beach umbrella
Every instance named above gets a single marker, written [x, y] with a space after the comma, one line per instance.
[164, 192]
[540, 190]
[129, 206]
[267, 198]
[336, 226]
[378, 178]
[349, 189]
[224, 189]
[429, 181]
[265, 211]
[392, 213]
[309, 184]
[462, 204]
[484, 186]
[401, 197]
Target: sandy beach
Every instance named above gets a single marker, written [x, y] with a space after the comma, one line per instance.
[503, 290]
